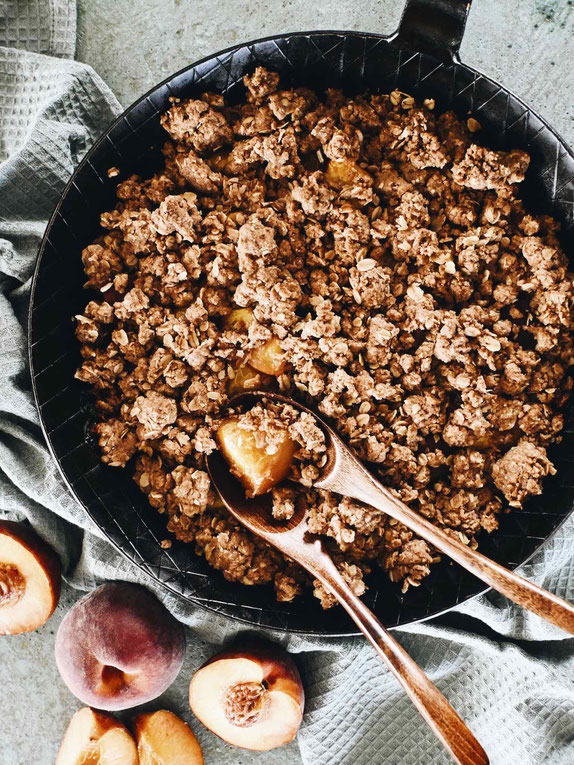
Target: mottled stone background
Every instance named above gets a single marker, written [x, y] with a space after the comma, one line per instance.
[132, 44]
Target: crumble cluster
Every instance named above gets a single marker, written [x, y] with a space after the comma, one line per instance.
[418, 306]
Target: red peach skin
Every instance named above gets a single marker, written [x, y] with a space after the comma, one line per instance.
[119, 646]
[250, 696]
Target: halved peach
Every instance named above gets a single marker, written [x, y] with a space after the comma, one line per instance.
[30, 579]
[248, 378]
[257, 470]
[269, 358]
[251, 696]
[218, 159]
[164, 739]
[96, 739]
[346, 172]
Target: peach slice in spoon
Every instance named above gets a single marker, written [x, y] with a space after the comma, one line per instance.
[257, 467]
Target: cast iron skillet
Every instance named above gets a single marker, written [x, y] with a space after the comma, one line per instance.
[420, 59]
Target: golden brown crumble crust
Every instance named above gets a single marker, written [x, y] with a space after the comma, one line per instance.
[419, 307]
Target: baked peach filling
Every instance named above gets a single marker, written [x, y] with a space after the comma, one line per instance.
[258, 464]
[248, 378]
[269, 357]
[345, 172]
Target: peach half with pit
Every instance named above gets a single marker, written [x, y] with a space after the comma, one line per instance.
[250, 696]
[30, 579]
[119, 646]
[93, 738]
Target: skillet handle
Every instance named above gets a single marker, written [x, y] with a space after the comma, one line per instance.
[433, 26]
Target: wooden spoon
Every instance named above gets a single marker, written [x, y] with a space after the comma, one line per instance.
[346, 475]
[293, 539]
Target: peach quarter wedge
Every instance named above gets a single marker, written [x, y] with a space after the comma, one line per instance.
[251, 463]
[93, 738]
[165, 739]
[30, 579]
[251, 697]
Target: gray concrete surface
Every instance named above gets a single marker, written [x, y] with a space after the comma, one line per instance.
[132, 44]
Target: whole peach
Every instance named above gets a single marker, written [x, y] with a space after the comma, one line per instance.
[119, 646]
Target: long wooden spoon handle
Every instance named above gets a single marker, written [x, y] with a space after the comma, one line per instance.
[457, 739]
[527, 594]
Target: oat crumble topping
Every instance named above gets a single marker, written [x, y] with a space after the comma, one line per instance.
[378, 254]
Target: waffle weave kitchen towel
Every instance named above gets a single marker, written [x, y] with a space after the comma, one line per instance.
[509, 675]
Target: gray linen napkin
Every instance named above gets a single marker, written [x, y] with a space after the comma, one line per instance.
[509, 675]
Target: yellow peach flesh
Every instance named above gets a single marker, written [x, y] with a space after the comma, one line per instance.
[257, 470]
[345, 172]
[239, 318]
[269, 358]
[164, 739]
[247, 378]
[96, 739]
